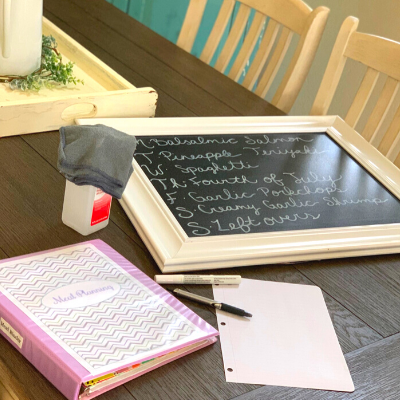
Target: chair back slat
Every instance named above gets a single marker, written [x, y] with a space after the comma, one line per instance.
[300, 64]
[380, 111]
[290, 13]
[376, 52]
[190, 28]
[217, 31]
[394, 152]
[334, 69]
[363, 94]
[262, 54]
[390, 135]
[275, 62]
[286, 16]
[248, 46]
[381, 56]
[396, 162]
[233, 38]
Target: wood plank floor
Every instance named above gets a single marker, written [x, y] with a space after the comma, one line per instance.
[362, 294]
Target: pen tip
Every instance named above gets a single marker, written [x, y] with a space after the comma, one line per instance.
[248, 314]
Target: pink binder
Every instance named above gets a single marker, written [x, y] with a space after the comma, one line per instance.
[82, 312]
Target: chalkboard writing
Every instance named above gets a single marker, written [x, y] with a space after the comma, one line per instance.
[239, 184]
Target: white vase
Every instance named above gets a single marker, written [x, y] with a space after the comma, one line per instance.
[20, 36]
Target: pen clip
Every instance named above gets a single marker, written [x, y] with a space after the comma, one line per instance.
[195, 297]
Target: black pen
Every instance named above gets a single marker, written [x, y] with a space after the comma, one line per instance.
[211, 302]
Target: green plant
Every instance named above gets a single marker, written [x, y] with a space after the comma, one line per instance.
[52, 72]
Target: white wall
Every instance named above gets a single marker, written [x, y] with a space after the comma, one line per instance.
[378, 17]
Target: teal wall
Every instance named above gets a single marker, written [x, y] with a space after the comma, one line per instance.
[166, 17]
[163, 16]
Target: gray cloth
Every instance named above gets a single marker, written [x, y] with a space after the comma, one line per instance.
[96, 155]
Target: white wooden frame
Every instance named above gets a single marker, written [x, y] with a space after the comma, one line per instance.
[174, 251]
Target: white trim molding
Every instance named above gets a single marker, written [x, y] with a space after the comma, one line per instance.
[175, 251]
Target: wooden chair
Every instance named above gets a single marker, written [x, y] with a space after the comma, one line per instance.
[285, 18]
[380, 55]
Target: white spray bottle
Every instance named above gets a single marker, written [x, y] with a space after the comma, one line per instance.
[86, 208]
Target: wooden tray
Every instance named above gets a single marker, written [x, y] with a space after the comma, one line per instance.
[104, 94]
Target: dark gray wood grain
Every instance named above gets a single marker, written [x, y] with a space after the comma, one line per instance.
[155, 72]
[198, 376]
[166, 105]
[367, 286]
[32, 194]
[24, 206]
[30, 207]
[46, 144]
[362, 294]
[215, 83]
[27, 383]
[352, 332]
[375, 370]
[21, 378]
[3, 254]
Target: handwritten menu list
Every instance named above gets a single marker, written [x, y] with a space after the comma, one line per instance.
[238, 184]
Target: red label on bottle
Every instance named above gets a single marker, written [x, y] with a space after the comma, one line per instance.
[101, 207]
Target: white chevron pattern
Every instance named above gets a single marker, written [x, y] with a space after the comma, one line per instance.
[132, 322]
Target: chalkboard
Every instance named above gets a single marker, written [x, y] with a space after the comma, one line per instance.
[251, 183]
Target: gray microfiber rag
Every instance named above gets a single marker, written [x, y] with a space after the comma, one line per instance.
[96, 155]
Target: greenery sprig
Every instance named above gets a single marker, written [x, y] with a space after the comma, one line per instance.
[52, 72]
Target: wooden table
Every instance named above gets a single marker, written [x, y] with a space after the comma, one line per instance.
[362, 294]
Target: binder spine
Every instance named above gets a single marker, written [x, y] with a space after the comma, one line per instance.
[39, 349]
[46, 348]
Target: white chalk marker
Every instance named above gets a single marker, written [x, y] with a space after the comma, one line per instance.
[198, 279]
